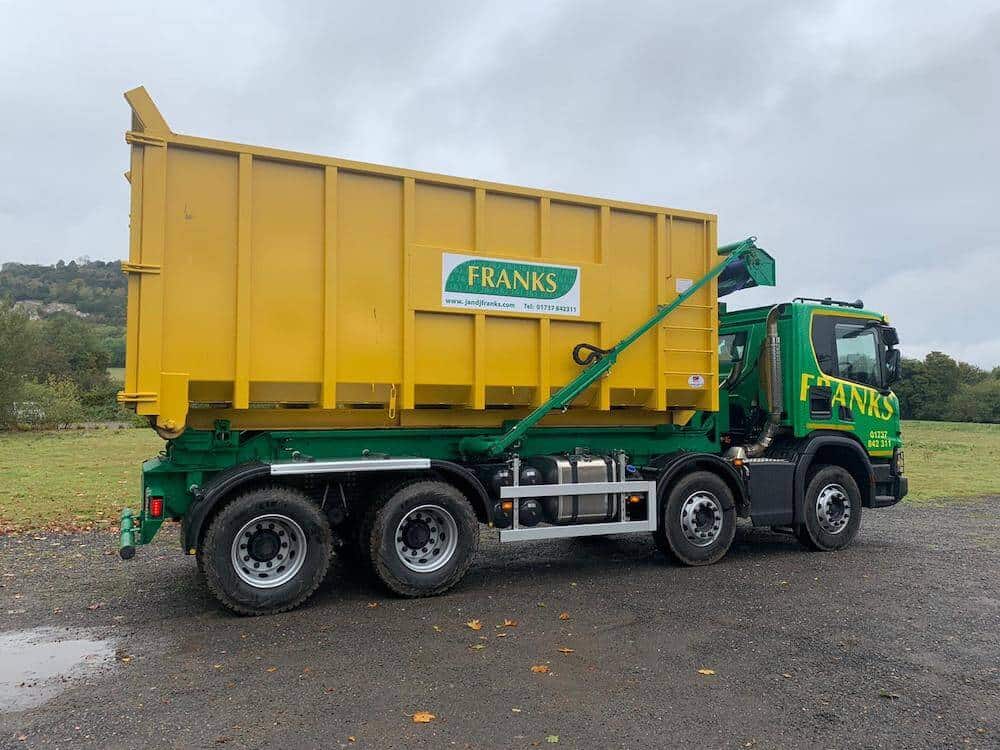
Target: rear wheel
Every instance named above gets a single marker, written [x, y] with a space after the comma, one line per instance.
[698, 520]
[421, 537]
[832, 510]
[266, 552]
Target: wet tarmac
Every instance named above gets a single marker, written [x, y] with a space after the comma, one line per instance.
[892, 643]
[38, 664]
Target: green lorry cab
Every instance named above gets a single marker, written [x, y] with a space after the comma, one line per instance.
[806, 436]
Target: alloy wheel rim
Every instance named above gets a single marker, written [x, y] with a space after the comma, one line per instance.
[268, 550]
[426, 538]
[833, 508]
[701, 518]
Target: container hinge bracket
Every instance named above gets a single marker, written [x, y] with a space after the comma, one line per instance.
[138, 397]
[142, 139]
[140, 268]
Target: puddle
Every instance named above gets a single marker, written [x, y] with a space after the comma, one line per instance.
[37, 664]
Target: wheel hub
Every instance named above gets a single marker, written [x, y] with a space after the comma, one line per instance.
[426, 538]
[701, 518]
[417, 533]
[268, 551]
[833, 508]
[264, 545]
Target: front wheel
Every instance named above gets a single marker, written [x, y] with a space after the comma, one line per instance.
[698, 520]
[421, 537]
[266, 552]
[832, 510]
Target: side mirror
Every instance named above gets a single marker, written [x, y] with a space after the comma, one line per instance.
[889, 336]
[893, 366]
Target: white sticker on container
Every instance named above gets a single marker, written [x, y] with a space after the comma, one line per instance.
[474, 282]
[682, 285]
[696, 381]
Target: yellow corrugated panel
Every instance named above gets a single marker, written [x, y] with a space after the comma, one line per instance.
[373, 296]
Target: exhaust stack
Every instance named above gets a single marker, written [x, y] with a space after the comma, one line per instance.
[770, 360]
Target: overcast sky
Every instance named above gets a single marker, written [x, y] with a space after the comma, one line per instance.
[860, 141]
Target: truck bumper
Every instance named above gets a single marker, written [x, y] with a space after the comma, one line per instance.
[900, 486]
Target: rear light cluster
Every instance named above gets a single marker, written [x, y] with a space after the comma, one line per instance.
[156, 507]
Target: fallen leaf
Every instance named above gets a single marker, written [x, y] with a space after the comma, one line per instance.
[92, 607]
[889, 695]
[438, 629]
[372, 605]
[216, 666]
[552, 739]
[474, 625]
[125, 659]
[510, 623]
[352, 738]
[786, 675]
[423, 717]
[565, 650]
[272, 669]
[515, 710]
[706, 671]
[502, 635]
[540, 669]
[477, 647]
[564, 616]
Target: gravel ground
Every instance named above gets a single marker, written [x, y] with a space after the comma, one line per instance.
[892, 643]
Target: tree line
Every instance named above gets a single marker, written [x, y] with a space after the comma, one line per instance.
[54, 372]
[96, 288]
[940, 388]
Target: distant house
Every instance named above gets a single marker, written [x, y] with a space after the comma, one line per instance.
[36, 309]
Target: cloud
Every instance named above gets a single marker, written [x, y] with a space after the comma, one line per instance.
[949, 307]
[856, 139]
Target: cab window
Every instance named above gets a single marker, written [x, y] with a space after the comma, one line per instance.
[848, 349]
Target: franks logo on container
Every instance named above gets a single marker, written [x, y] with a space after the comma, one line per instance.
[696, 381]
[478, 283]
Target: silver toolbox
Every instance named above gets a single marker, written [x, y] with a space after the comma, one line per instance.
[573, 469]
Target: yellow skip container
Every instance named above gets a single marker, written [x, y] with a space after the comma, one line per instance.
[284, 290]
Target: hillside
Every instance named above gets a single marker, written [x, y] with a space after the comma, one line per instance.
[96, 289]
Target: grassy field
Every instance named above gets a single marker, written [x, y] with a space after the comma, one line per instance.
[71, 478]
[82, 478]
[951, 459]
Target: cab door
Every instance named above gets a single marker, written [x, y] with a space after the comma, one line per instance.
[842, 384]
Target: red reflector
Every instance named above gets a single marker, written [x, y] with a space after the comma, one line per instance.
[156, 507]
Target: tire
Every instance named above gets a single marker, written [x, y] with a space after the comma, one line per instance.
[285, 556]
[702, 535]
[830, 494]
[441, 525]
